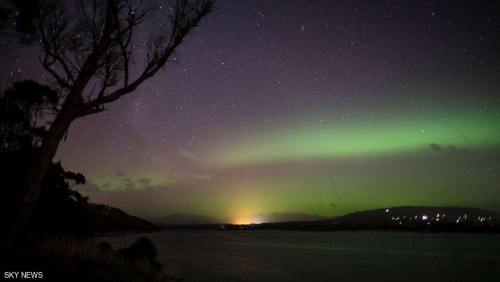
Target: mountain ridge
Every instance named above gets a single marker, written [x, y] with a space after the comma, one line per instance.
[416, 218]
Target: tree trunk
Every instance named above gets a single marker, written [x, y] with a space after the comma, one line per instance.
[69, 112]
[36, 175]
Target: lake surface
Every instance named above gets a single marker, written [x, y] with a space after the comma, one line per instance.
[324, 256]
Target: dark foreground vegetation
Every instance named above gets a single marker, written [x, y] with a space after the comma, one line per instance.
[57, 242]
[87, 51]
[75, 258]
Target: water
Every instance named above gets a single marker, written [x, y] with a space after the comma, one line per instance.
[325, 256]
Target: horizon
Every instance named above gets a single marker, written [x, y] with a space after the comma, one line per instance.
[281, 217]
[305, 109]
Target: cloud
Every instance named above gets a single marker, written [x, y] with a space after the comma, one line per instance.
[449, 148]
[200, 175]
[148, 202]
[129, 183]
[187, 154]
[145, 180]
[141, 183]
[189, 165]
[435, 147]
[88, 187]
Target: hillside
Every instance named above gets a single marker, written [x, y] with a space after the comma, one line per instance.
[407, 214]
[106, 219]
[410, 218]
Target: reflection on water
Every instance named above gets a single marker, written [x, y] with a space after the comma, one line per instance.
[325, 256]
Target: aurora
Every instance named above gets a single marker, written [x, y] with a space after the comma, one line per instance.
[371, 136]
[279, 110]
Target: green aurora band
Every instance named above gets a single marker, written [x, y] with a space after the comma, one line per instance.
[368, 137]
[327, 168]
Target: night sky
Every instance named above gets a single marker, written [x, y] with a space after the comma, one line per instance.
[295, 108]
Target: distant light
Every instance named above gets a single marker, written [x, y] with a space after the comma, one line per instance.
[386, 210]
[424, 217]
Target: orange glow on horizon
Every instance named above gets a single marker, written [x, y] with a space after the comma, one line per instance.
[245, 219]
[242, 220]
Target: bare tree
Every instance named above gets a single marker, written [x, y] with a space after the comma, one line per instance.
[89, 54]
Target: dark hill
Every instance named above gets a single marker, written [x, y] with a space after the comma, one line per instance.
[106, 219]
[428, 219]
[416, 214]
[410, 218]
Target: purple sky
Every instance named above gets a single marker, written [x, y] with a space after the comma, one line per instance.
[301, 107]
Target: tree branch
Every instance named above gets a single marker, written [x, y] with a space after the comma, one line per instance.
[182, 23]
